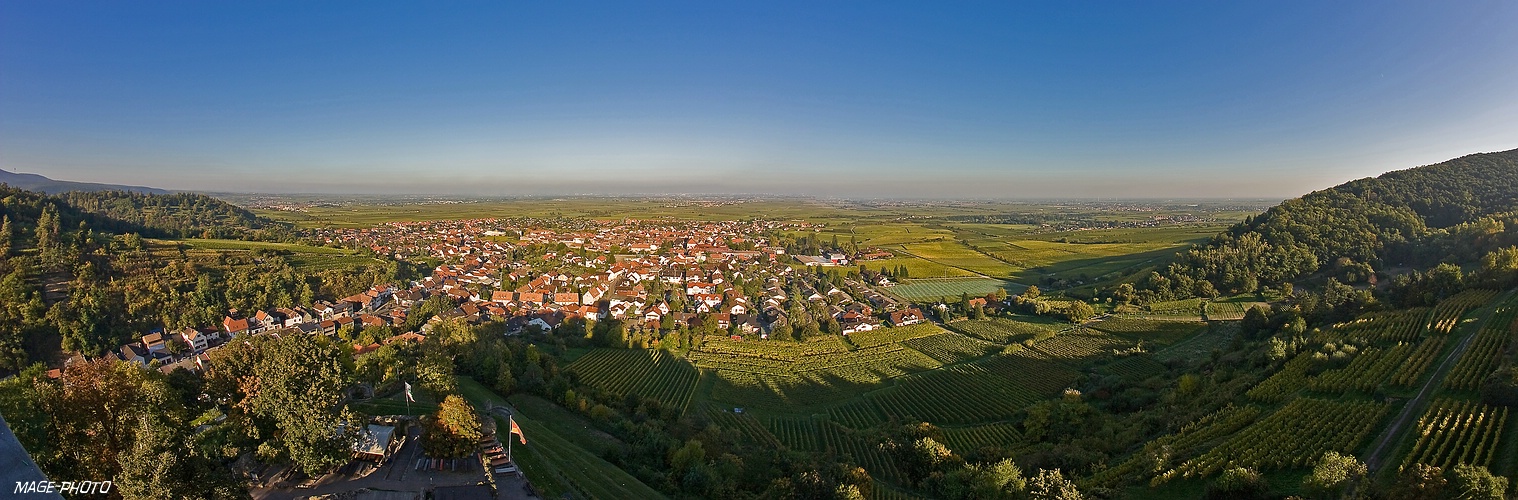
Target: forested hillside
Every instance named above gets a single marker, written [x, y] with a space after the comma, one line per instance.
[1454, 212]
[78, 274]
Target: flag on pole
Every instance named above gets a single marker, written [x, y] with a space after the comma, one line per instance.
[517, 430]
[409, 399]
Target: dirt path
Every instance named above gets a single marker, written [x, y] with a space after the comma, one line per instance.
[1420, 402]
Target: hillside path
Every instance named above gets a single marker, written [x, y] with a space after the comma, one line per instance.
[1420, 402]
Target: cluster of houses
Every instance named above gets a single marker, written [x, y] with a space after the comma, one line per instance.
[719, 275]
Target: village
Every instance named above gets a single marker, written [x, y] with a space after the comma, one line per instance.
[650, 277]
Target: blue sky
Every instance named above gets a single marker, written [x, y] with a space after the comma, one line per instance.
[930, 99]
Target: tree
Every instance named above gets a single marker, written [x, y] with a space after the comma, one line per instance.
[1239, 483]
[453, 430]
[1473, 482]
[1125, 293]
[1419, 481]
[1079, 312]
[293, 383]
[6, 236]
[1256, 321]
[1052, 485]
[1333, 474]
[1032, 293]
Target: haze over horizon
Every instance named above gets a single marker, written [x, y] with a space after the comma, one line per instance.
[1119, 100]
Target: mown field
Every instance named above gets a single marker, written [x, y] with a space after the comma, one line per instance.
[935, 288]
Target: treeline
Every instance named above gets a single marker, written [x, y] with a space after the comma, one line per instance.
[1454, 212]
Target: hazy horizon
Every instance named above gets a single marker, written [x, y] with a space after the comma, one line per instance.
[846, 100]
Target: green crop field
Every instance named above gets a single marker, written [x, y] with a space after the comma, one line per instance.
[932, 289]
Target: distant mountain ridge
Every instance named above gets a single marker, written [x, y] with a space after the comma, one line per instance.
[35, 182]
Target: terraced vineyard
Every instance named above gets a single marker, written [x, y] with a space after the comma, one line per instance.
[969, 438]
[1229, 311]
[867, 454]
[858, 414]
[950, 347]
[1293, 437]
[1003, 330]
[1364, 373]
[1448, 312]
[1184, 443]
[1382, 326]
[883, 336]
[1153, 330]
[1457, 432]
[1136, 367]
[1186, 308]
[618, 371]
[743, 423]
[797, 433]
[934, 289]
[1485, 352]
[1418, 362]
[1283, 384]
[980, 391]
[649, 373]
[1082, 344]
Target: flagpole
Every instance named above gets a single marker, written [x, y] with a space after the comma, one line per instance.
[511, 422]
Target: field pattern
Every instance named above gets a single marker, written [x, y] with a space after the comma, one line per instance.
[839, 440]
[618, 371]
[970, 438]
[652, 374]
[1457, 432]
[1365, 372]
[1187, 307]
[980, 391]
[1134, 368]
[1418, 362]
[1449, 311]
[1229, 311]
[858, 414]
[743, 423]
[883, 336]
[1159, 331]
[1382, 326]
[1082, 344]
[933, 289]
[1485, 352]
[950, 347]
[797, 433]
[1183, 443]
[1004, 330]
[1293, 437]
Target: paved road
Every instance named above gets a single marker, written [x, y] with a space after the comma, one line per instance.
[1419, 403]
